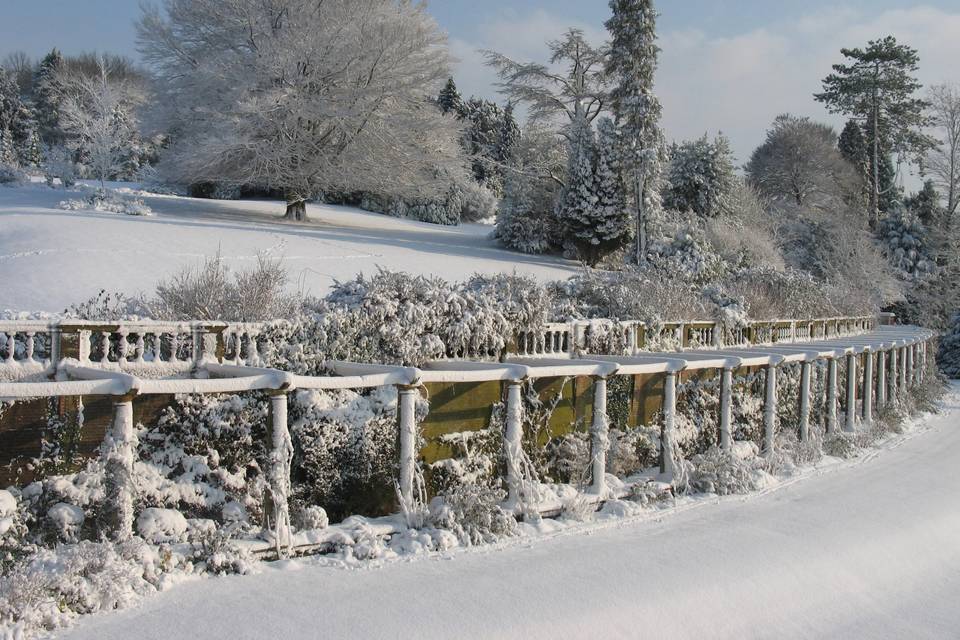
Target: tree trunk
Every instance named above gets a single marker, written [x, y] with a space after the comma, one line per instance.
[296, 210]
[641, 226]
[875, 192]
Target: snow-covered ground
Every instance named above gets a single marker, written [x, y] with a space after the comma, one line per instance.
[862, 549]
[50, 258]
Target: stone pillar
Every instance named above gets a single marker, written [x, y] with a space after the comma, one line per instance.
[770, 412]
[850, 424]
[119, 453]
[513, 441]
[804, 401]
[832, 396]
[868, 388]
[407, 397]
[668, 465]
[909, 367]
[903, 371]
[281, 458]
[726, 408]
[894, 363]
[599, 437]
[881, 379]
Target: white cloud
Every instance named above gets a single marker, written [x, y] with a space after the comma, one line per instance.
[736, 84]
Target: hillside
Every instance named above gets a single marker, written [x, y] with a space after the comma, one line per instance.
[50, 258]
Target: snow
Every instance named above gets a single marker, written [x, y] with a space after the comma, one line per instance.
[863, 548]
[51, 258]
[65, 516]
[161, 525]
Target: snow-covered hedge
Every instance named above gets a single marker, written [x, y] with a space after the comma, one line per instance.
[109, 201]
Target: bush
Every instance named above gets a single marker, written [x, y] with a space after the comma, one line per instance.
[208, 292]
[108, 201]
[11, 176]
[472, 513]
[724, 473]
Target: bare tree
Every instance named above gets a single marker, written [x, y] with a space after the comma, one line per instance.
[943, 162]
[799, 161]
[302, 96]
[98, 115]
[573, 85]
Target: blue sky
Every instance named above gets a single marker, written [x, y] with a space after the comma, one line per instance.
[727, 65]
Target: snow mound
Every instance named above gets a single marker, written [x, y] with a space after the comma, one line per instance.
[8, 503]
[161, 525]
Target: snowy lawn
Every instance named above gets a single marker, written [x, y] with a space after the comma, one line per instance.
[861, 549]
[50, 258]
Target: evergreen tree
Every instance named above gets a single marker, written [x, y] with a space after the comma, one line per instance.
[450, 100]
[578, 203]
[8, 150]
[509, 136]
[631, 65]
[700, 176]
[48, 98]
[611, 225]
[20, 141]
[925, 204]
[877, 89]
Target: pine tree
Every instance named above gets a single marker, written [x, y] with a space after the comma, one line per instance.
[631, 65]
[612, 227]
[700, 176]
[8, 150]
[577, 205]
[450, 100]
[925, 204]
[877, 88]
[48, 97]
[509, 136]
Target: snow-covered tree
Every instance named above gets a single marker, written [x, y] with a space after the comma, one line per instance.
[97, 114]
[450, 100]
[612, 221]
[878, 88]
[799, 161]
[905, 241]
[925, 205]
[525, 220]
[302, 96]
[578, 202]
[700, 176]
[579, 90]
[631, 65]
[20, 143]
[943, 162]
[948, 355]
[47, 97]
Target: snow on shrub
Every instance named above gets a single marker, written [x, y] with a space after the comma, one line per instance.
[948, 351]
[160, 526]
[66, 519]
[48, 590]
[739, 470]
[108, 201]
[472, 512]
[11, 176]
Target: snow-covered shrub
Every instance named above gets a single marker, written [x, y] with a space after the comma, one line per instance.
[615, 295]
[840, 445]
[948, 351]
[478, 203]
[739, 470]
[525, 219]
[109, 307]
[649, 493]
[345, 450]
[700, 176]
[687, 256]
[204, 452]
[11, 176]
[578, 509]
[214, 550]
[108, 201]
[632, 450]
[59, 167]
[472, 513]
[66, 519]
[568, 458]
[159, 526]
[904, 240]
[745, 236]
[211, 292]
[312, 517]
[396, 318]
[48, 590]
[772, 294]
[696, 422]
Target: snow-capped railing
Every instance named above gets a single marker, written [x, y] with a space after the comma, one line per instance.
[584, 336]
[897, 356]
[139, 345]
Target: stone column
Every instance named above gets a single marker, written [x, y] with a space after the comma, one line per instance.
[599, 437]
